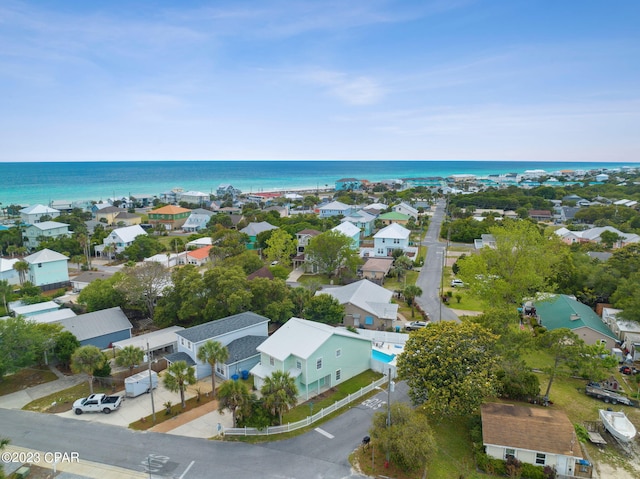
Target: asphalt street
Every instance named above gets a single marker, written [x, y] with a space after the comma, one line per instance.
[319, 453]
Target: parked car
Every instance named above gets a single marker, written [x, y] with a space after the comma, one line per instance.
[628, 370]
[97, 403]
[415, 325]
[457, 283]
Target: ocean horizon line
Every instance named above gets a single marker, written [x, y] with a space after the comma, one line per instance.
[361, 160]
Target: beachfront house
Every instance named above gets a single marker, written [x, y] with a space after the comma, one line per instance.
[48, 269]
[35, 233]
[99, 328]
[240, 333]
[252, 230]
[120, 239]
[390, 238]
[170, 217]
[366, 305]
[538, 436]
[346, 184]
[351, 231]
[317, 355]
[227, 191]
[34, 214]
[335, 208]
[192, 197]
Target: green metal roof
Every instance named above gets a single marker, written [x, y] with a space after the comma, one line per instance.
[394, 216]
[561, 311]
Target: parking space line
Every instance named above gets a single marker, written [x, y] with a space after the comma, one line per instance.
[324, 433]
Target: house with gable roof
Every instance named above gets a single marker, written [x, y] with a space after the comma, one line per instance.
[254, 229]
[48, 269]
[350, 231]
[107, 215]
[406, 209]
[303, 237]
[535, 435]
[241, 333]
[198, 256]
[33, 214]
[556, 311]
[99, 328]
[171, 217]
[390, 238]
[7, 272]
[193, 197]
[394, 217]
[316, 355]
[366, 305]
[34, 233]
[226, 189]
[346, 184]
[363, 220]
[335, 208]
[120, 238]
[197, 220]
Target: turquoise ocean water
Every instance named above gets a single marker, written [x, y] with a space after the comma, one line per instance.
[30, 183]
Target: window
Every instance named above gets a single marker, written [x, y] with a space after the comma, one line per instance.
[298, 364]
[509, 453]
[338, 353]
[189, 344]
[39, 265]
[182, 341]
[396, 241]
[368, 320]
[380, 250]
[540, 459]
[272, 361]
[319, 363]
[338, 374]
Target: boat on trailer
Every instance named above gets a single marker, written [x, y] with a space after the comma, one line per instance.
[618, 424]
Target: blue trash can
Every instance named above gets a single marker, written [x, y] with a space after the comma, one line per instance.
[245, 374]
[235, 377]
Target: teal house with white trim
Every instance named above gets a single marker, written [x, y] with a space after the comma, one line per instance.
[317, 355]
[48, 269]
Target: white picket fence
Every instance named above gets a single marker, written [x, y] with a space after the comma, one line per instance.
[252, 431]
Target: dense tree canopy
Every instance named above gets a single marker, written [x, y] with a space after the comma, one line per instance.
[331, 251]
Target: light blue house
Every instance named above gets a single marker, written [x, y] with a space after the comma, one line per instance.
[345, 184]
[390, 238]
[318, 356]
[362, 220]
[48, 269]
[351, 231]
[7, 272]
[241, 333]
[35, 233]
[335, 208]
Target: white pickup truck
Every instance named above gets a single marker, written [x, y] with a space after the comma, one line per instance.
[97, 403]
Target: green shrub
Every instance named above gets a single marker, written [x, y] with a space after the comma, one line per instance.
[529, 471]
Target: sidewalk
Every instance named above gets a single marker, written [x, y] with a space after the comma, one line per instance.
[19, 399]
[199, 422]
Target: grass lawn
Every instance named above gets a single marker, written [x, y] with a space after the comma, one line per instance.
[63, 400]
[468, 302]
[25, 378]
[314, 278]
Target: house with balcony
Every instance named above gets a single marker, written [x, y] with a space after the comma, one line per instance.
[34, 233]
[33, 214]
[335, 208]
[241, 333]
[303, 237]
[226, 190]
[171, 217]
[316, 355]
[390, 238]
[48, 269]
[363, 220]
[193, 197]
[347, 184]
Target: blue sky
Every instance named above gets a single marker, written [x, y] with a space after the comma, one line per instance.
[357, 79]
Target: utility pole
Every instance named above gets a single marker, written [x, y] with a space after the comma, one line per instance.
[153, 407]
[389, 386]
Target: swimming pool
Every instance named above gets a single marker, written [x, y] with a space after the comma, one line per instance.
[382, 357]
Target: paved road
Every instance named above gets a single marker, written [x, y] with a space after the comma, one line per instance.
[318, 454]
[430, 277]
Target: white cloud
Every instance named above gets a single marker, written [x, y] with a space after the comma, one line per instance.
[351, 89]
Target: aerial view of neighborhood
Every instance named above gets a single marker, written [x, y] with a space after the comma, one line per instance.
[464, 326]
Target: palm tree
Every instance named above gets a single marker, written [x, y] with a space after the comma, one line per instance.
[108, 250]
[213, 352]
[130, 356]
[78, 259]
[21, 267]
[5, 291]
[279, 393]
[234, 396]
[410, 293]
[178, 377]
[87, 359]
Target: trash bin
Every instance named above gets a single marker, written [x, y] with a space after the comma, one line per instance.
[235, 377]
[397, 329]
[245, 374]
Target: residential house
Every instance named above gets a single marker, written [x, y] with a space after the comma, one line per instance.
[171, 217]
[53, 316]
[593, 235]
[120, 239]
[335, 208]
[87, 277]
[389, 239]
[350, 231]
[363, 220]
[366, 305]
[197, 220]
[263, 272]
[125, 218]
[486, 240]
[33, 234]
[254, 229]
[406, 209]
[535, 435]
[394, 217]
[108, 215]
[226, 190]
[33, 214]
[48, 269]
[346, 184]
[316, 355]
[157, 342]
[375, 209]
[241, 333]
[541, 215]
[303, 237]
[7, 273]
[194, 198]
[198, 256]
[168, 260]
[556, 311]
[100, 328]
[61, 205]
[18, 308]
[199, 243]
[376, 269]
[263, 199]
[283, 211]
[619, 326]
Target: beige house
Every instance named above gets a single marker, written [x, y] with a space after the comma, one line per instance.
[375, 269]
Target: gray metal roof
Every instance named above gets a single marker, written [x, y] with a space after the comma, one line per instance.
[218, 327]
[181, 356]
[96, 324]
[244, 348]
